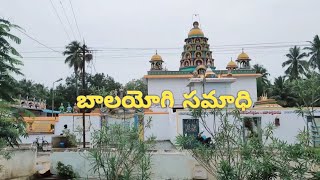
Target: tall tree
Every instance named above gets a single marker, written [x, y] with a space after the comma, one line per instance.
[138, 85]
[8, 60]
[102, 82]
[12, 125]
[74, 59]
[263, 82]
[314, 52]
[296, 63]
[282, 92]
[27, 88]
[98, 84]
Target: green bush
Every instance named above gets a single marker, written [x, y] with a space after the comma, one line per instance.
[65, 171]
[252, 158]
[119, 154]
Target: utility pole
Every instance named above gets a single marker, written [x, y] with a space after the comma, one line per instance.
[84, 93]
[52, 107]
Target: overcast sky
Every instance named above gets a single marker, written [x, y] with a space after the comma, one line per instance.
[161, 25]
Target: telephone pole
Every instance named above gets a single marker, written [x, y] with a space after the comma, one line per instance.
[84, 93]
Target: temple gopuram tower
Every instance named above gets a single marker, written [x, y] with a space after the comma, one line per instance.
[196, 50]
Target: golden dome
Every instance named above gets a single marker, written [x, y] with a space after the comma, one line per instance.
[156, 57]
[195, 31]
[232, 64]
[243, 56]
[209, 73]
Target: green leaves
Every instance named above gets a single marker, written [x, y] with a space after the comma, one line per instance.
[226, 172]
[118, 153]
[137, 84]
[8, 61]
[65, 171]
[314, 52]
[12, 125]
[296, 63]
[266, 159]
[263, 82]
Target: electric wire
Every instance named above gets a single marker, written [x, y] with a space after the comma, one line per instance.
[37, 40]
[234, 46]
[57, 14]
[75, 19]
[65, 14]
[145, 52]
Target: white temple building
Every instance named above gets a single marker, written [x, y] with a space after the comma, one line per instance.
[198, 72]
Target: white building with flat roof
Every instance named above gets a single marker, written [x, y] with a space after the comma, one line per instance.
[198, 72]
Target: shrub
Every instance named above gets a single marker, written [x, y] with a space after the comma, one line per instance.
[65, 171]
[232, 157]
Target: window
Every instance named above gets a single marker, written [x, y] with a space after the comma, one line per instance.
[190, 127]
[277, 122]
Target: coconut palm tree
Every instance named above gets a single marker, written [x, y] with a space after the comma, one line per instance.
[263, 71]
[263, 82]
[282, 92]
[74, 59]
[296, 65]
[74, 53]
[314, 52]
[8, 60]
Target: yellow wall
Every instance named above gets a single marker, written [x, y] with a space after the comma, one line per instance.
[40, 124]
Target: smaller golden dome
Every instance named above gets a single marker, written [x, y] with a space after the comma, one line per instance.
[195, 31]
[156, 57]
[209, 73]
[243, 56]
[232, 64]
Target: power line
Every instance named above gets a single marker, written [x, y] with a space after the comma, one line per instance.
[247, 44]
[37, 41]
[212, 46]
[250, 44]
[147, 51]
[120, 54]
[94, 61]
[32, 52]
[75, 19]
[42, 57]
[123, 57]
[56, 12]
[65, 14]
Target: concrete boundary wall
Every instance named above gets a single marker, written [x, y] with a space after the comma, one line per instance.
[160, 126]
[22, 164]
[174, 165]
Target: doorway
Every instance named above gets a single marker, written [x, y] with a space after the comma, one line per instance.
[252, 128]
[190, 127]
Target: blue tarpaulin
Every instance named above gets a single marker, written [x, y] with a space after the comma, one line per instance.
[50, 111]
